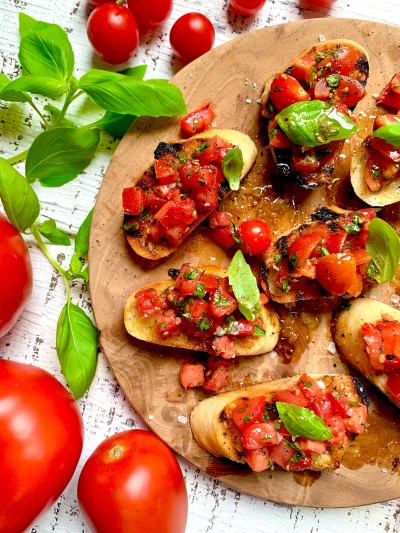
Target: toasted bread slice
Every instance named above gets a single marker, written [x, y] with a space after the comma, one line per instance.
[139, 239]
[346, 329]
[212, 427]
[144, 328]
[313, 179]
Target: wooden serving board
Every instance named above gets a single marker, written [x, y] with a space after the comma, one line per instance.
[232, 77]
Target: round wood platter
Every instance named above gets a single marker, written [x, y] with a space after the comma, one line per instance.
[232, 77]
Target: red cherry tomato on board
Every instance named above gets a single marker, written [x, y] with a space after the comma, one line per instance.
[113, 32]
[41, 437]
[133, 482]
[150, 13]
[191, 36]
[246, 7]
[15, 275]
[256, 236]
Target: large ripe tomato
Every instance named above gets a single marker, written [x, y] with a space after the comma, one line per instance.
[41, 437]
[113, 32]
[191, 36]
[256, 236]
[246, 7]
[150, 13]
[15, 275]
[133, 482]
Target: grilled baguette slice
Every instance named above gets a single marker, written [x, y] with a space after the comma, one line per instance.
[346, 330]
[139, 240]
[144, 328]
[213, 430]
[282, 156]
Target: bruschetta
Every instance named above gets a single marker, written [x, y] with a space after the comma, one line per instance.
[196, 309]
[295, 423]
[331, 256]
[367, 336]
[185, 183]
[308, 109]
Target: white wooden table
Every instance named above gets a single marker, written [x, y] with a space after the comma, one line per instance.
[213, 508]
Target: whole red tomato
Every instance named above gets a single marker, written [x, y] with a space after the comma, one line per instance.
[256, 236]
[113, 32]
[15, 275]
[41, 437]
[150, 13]
[133, 482]
[191, 36]
[246, 7]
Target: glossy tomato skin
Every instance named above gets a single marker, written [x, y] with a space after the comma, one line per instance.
[113, 32]
[246, 7]
[133, 482]
[150, 13]
[256, 236]
[15, 275]
[191, 36]
[41, 437]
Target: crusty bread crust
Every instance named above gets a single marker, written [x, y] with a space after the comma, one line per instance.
[360, 72]
[386, 196]
[144, 328]
[155, 251]
[211, 419]
[346, 330]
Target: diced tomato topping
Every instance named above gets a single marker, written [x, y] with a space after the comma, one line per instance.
[192, 375]
[305, 161]
[276, 137]
[153, 203]
[338, 429]
[301, 249]
[393, 384]
[339, 403]
[382, 341]
[385, 149]
[349, 91]
[390, 95]
[213, 362]
[281, 454]
[248, 411]
[322, 406]
[304, 68]
[182, 213]
[322, 90]
[260, 434]
[336, 272]
[198, 120]
[223, 237]
[341, 60]
[215, 380]
[207, 188]
[335, 241]
[149, 302]
[357, 418]
[384, 120]
[197, 310]
[209, 281]
[309, 387]
[286, 90]
[220, 219]
[303, 463]
[187, 272]
[132, 200]
[222, 303]
[167, 324]
[379, 171]
[173, 236]
[223, 347]
[294, 396]
[165, 170]
[258, 459]
[311, 446]
[214, 152]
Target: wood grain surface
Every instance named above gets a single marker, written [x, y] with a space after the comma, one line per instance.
[232, 77]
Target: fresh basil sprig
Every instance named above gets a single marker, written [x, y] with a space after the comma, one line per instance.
[383, 245]
[302, 422]
[389, 133]
[53, 234]
[244, 286]
[314, 123]
[81, 250]
[232, 166]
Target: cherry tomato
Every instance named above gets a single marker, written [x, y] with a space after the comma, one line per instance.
[41, 437]
[286, 90]
[393, 384]
[15, 275]
[97, 2]
[256, 236]
[191, 36]
[246, 7]
[336, 272]
[150, 13]
[113, 32]
[133, 482]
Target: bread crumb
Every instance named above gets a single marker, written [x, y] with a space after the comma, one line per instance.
[182, 419]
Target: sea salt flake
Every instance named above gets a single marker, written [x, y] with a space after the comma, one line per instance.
[248, 100]
[331, 348]
[321, 38]
[182, 419]
[150, 417]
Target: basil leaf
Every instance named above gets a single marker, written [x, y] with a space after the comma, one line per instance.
[302, 422]
[389, 133]
[49, 230]
[232, 166]
[18, 198]
[244, 286]
[10, 95]
[135, 72]
[76, 344]
[45, 49]
[129, 95]
[42, 85]
[116, 124]
[58, 155]
[314, 123]
[55, 113]
[81, 248]
[383, 245]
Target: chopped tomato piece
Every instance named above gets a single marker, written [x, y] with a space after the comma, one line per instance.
[309, 387]
[173, 236]
[209, 281]
[215, 380]
[149, 302]
[322, 90]
[132, 200]
[390, 95]
[276, 137]
[260, 434]
[304, 68]
[198, 120]
[187, 272]
[222, 303]
[192, 375]
[167, 324]
[207, 188]
[390, 332]
[303, 463]
[393, 384]
[214, 152]
[361, 256]
[281, 454]
[165, 170]
[286, 90]
[355, 288]
[258, 459]
[374, 344]
[213, 362]
[338, 429]
[198, 309]
[384, 120]
[152, 202]
[182, 213]
[336, 272]
[294, 396]
[248, 411]
[379, 171]
[301, 249]
[322, 406]
[357, 418]
[385, 149]
[341, 60]
[306, 161]
[220, 219]
[349, 91]
[311, 446]
[223, 346]
[223, 237]
[339, 403]
[335, 240]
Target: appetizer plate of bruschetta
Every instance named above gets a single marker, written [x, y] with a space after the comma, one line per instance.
[303, 405]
